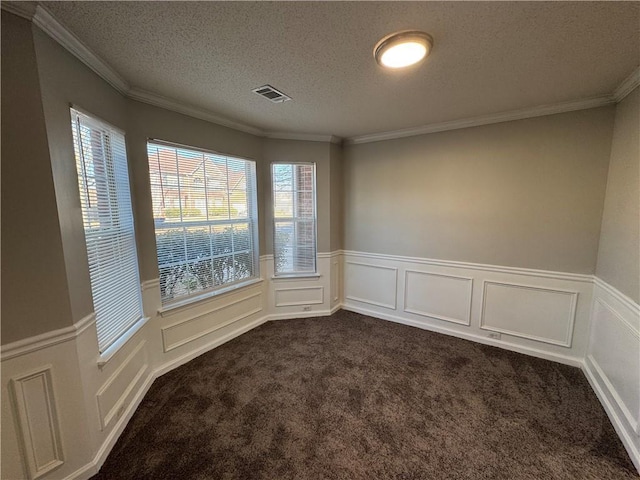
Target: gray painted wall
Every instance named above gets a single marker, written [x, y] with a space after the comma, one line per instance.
[66, 81]
[35, 298]
[619, 252]
[527, 193]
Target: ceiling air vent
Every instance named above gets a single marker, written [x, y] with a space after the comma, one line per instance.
[271, 94]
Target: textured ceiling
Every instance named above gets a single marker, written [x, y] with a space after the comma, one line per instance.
[487, 58]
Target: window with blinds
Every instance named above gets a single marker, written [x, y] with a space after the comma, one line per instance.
[294, 217]
[105, 199]
[206, 221]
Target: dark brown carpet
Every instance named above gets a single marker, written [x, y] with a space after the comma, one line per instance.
[352, 397]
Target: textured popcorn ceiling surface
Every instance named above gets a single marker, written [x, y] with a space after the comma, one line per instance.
[487, 58]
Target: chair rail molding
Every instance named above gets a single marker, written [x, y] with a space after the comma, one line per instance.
[47, 339]
[442, 296]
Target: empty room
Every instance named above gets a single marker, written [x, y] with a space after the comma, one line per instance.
[320, 240]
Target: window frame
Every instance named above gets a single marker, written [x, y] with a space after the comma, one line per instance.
[125, 210]
[252, 220]
[295, 274]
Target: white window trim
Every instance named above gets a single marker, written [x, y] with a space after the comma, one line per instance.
[115, 347]
[295, 275]
[200, 297]
[203, 295]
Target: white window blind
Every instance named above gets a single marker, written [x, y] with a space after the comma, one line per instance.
[206, 221]
[294, 216]
[103, 180]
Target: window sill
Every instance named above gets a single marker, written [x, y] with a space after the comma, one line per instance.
[108, 354]
[179, 305]
[296, 276]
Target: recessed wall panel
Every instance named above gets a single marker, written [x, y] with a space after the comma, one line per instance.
[615, 352]
[295, 296]
[113, 395]
[371, 284]
[37, 415]
[536, 313]
[444, 297]
[190, 329]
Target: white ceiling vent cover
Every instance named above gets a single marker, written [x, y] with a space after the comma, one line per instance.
[271, 94]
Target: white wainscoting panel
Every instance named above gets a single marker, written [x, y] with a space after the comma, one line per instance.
[370, 283]
[615, 353]
[114, 396]
[454, 298]
[187, 330]
[542, 314]
[37, 415]
[335, 280]
[537, 312]
[612, 363]
[440, 296]
[297, 296]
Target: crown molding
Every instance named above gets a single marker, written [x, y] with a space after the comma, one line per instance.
[628, 85]
[306, 137]
[25, 10]
[487, 119]
[201, 113]
[41, 17]
[52, 27]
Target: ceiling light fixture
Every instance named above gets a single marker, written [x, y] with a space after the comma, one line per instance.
[402, 49]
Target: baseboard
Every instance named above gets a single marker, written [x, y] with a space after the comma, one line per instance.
[619, 424]
[564, 359]
[312, 314]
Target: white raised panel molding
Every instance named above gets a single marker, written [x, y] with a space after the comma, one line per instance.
[38, 419]
[536, 313]
[612, 363]
[439, 296]
[614, 353]
[387, 289]
[190, 329]
[113, 395]
[335, 280]
[372, 284]
[295, 296]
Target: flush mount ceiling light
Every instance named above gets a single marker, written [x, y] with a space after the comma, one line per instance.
[402, 49]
